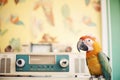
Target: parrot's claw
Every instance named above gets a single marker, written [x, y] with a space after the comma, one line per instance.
[91, 78]
[100, 77]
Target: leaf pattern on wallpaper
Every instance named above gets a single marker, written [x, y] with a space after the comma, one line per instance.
[36, 26]
[46, 38]
[15, 43]
[87, 2]
[18, 1]
[97, 5]
[15, 20]
[65, 11]
[2, 32]
[3, 2]
[87, 21]
[37, 5]
[48, 11]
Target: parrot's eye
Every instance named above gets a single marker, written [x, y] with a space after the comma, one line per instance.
[89, 41]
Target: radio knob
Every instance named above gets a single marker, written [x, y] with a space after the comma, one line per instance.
[64, 63]
[20, 62]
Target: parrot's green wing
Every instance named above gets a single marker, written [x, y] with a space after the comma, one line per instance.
[106, 69]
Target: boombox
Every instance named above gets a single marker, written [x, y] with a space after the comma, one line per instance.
[43, 65]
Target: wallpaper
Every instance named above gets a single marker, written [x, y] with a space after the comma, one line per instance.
[48, 21]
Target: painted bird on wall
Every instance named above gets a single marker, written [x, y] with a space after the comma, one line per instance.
[15, 20]
[3, 2]
[97, 61]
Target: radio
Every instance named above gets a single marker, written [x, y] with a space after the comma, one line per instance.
[42, 63]
[45, 65]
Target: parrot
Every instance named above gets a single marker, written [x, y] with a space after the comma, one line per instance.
[97, 61]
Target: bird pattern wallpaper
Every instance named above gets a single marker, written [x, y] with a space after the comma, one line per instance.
[48, 21]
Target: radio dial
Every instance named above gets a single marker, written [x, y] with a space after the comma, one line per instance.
[20, 62]
[64, 63]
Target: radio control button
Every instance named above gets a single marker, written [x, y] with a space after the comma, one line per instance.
[64, 63]
[47, 66]
[20, 62]
[31, 66]
[51, 66]
[39, 66]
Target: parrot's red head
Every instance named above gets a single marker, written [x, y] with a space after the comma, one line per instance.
[88, 44]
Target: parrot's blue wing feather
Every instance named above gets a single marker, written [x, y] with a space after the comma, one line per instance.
[106, 56]
[106, 69]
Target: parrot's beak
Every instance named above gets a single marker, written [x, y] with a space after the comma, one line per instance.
[82, 46]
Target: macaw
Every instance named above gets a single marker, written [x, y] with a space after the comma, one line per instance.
[97, 61]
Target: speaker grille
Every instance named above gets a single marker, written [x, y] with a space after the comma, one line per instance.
[5, 65]
[79, 65]
[8, 61]
[2, 65]
[82, 61]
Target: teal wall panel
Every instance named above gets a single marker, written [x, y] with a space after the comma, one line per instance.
[115, 32]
